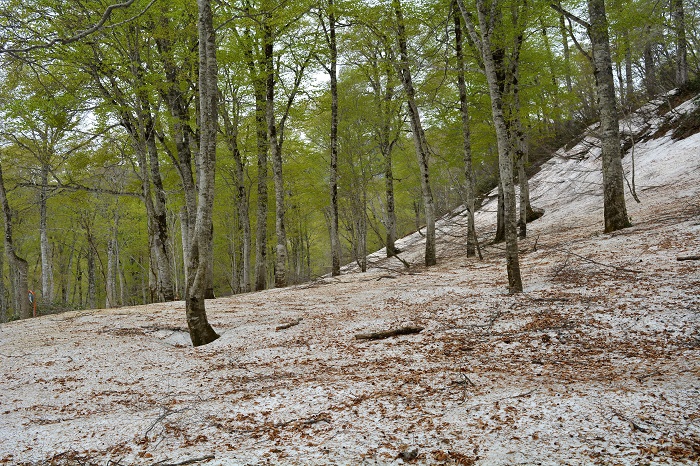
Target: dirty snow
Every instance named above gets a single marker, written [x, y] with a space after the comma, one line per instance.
[597, 362]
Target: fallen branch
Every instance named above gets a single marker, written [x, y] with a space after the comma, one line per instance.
[631, 422]
[183, 463]
[408, 330]
[622, 269]
[688, 258]
[287, 325]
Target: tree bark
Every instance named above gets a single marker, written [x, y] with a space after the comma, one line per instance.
[3, 290]
[231, 127]
[111, 278]
[615, 209]
[276, 154]
[649, 64]
[505, 163]
[19, 266]
[261, 215]
[47, 284]
[678, 19]
[333, 72]
[419, 139]
[201, 332]
[565, 45]
[466, 138]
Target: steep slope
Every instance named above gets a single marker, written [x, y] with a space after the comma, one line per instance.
[596, 363]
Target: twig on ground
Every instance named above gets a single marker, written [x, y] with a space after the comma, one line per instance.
[688, 258]
[166, 412]
[183, 463]
[642, 378]
[616, 267]
[288, 325]
[632, 423]
[389, 333]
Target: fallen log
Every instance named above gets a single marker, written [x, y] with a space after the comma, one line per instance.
[408, 330]
[688, 258]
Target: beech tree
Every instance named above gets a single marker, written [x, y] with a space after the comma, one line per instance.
[488, 18]
[419, 140]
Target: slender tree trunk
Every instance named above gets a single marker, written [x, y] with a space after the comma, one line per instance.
[649, 64]
[231, 127]
[505, 163]
[18, 266]
[3, 290]
[500, 216]
[111, 279]
[92, 276]
[47, 285]
[335, 238]
[615, 209]
[261, 215]
[466, 138]
[419, 138]
[678, 19]
[201, 332]
[629, 81]
[565, 44]
[276, 153]
[164, 276]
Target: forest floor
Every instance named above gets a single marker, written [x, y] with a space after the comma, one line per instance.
[597, 362]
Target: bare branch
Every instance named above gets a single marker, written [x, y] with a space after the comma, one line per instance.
[82, 34]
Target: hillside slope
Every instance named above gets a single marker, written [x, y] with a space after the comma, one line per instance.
[598, 362]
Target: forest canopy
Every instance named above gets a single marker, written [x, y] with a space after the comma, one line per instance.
[331, 128]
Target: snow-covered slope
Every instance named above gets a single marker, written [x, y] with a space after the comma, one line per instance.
[596, 363]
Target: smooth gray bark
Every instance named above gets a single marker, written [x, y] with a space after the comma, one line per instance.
[466, 139]
[231, 128]
[615, 209]
[419, 139]
[678, 19]
[47, 283]
[18, 266]
[276, 154]
[505, 163]
[201, 332]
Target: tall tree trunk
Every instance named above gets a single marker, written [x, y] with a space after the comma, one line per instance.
[92, 276]
[276, 154]
[201, 332]
[565, 44]
[18, 266]
[466, 138]
[111, 278]
[615, 209]
[333, 72]
[164, 275]
[231, 127]
[678, 19]
[3, 290]
[629, 81]
[649, 64]
[47, 285]
[500, 216]
[505, 162]
[419, 139]
[261, 215]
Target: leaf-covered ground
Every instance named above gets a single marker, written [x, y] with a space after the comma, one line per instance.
[597, 362]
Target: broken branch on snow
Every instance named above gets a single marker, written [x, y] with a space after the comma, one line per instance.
[287, 325]
[408, 330]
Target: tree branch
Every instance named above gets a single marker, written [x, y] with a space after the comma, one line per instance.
[80, 35]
